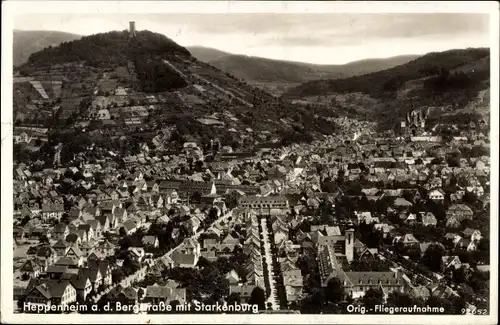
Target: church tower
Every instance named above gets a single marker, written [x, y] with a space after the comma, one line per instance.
[213, 190]
[349, 244]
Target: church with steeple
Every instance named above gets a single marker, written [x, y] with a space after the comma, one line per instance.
[214, 199]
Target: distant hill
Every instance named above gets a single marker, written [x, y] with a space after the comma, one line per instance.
[446, 83]
[373, 65]
[388, 80]
[257, 70]
[29, 42]
[268, 70]
[109, 48]
[207, 54]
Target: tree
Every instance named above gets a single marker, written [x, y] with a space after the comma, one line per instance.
[398, 299]
[433, 256]
[232, 200]
[413, 254]
[68, 174]
[466, 292]
[328, 186]
[460, 275]
[313, 304]
[446, 304]
[43, 239]
[258, 297]
[198, 166]
[174, 304]
[196, 197]
[25, 220]
[130, 265]
[150, 279]
[309, 267]
[470, 198]
[369, 264]
[78, 176]
[459, 302]
[484, 250]
[234, 299]
[437, 208]
[372, 298]
[47, 150]
[20, 154]
[453, 161]
[140, 293]
[436, 161]
[334, 291]
[203, 263]
[117, 275]
[478, 151]
[212, 214]
[479, 282]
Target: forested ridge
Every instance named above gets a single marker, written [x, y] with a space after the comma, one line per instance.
[386, 82]
[113, 49]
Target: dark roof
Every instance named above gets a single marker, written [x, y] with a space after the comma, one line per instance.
[56, 207]
[102, 219]
[57, 269]
[243, 290]
[374, 277]
[85, 227]
[149, 240]
[74, 213]
[93, 223]
[468, 231]
[91, 210]
[32, 250]
[91, 273]
[181, 258]
[60, 227]
[76, 250]
[79, 281]
[56, 287]
[66, 261]
[128, 292]
[32, 284]
[72, 238]
[156, 291]
[30, 266]
[45, 251]
[129, 225]
[102, 266]
[49, 288]
[165, 292]
[60, 244]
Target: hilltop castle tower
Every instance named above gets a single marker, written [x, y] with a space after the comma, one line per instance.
[132, 28]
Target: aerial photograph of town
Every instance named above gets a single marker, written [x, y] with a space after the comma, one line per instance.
[153, 175]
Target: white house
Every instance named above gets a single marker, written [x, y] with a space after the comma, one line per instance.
[103, 114]
[436, 195]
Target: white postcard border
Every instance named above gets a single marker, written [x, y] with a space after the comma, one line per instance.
[12, 8]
